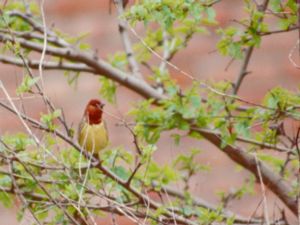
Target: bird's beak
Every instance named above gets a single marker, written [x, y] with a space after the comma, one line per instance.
[101, 105]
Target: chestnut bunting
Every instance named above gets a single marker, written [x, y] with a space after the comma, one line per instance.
[92, 133]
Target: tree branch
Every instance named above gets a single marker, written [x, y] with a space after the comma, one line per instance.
[38, 27]
[100, 66]
[34, 64]
[272, 180]
[248, 53]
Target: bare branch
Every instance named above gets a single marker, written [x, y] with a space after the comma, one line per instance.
[250, 141]
[29, 35]
[34, 64]
[263, 190]
[134, 66]
[133, 173]
[45, 43]
[100, 66]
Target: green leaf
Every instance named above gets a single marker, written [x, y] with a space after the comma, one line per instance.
[27, 84]
[72, 78]
[176, 138]
[272, 160]
[195, 134]
[42, 214]
[48, 119]
[5, 181]
[242, 128]
[188, 211]
[6, 199]
[121, 172]
[108, 89]
[211, 14]
[18, 141]
[275, 5]
[207, 216]
[147, 152]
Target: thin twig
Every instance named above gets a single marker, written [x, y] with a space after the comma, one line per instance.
[133, 173]
[38, 27]
[248, 53]
[19, 193]
[45, 43]
[48, 194]
[134, 66]
[18, 114]
[263, 190]
[291, 53]
[34, 64]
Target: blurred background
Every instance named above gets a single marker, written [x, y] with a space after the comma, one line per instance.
[270, 67]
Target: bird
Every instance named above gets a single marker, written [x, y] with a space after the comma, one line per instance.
[92, 130]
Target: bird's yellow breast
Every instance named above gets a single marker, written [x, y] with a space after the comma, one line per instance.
[93, 137]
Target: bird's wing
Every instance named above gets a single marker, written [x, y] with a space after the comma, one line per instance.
[105, 126]
[81, 125]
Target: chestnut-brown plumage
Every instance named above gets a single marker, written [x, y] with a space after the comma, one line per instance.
[93, 111]
[92, 133]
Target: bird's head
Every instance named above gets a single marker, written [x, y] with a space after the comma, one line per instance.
[93, 111]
